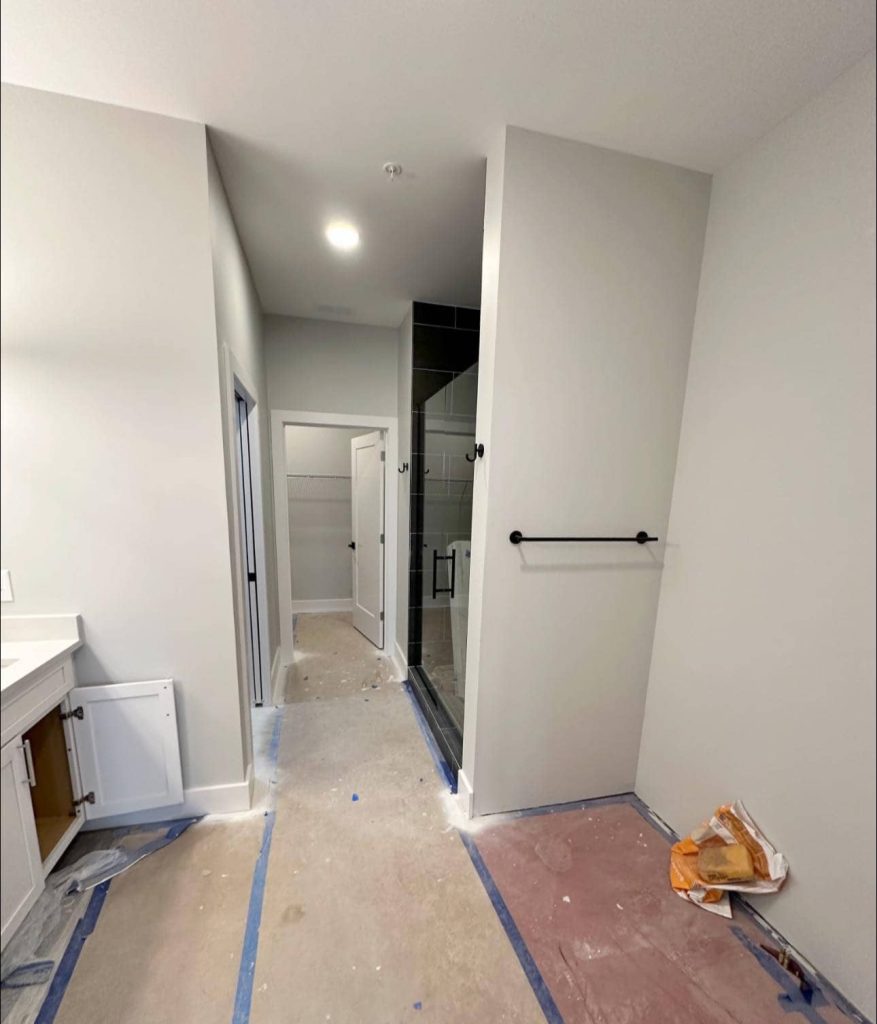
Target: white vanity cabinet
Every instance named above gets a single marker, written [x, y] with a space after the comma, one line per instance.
[21, 865]
[75, 754]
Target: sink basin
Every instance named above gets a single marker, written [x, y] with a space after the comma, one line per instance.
[6, 662]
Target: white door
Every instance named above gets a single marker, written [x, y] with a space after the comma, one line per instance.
[367, 481]
[22, 864]
[127, 747]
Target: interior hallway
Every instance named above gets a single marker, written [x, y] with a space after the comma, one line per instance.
[332, 659]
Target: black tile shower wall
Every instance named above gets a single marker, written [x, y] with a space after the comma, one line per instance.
[446, 349]
[467, 319]
[444, 344]
[430, 313]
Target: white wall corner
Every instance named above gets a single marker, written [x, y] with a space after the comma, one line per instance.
[278, 677]
[251, 785]
[465, 795]
[400, 663]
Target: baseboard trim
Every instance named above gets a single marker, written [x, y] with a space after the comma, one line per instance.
[400, 663]
[330, 604]
[465, 795]
[227, 799]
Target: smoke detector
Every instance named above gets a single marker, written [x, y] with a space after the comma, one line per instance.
[392, 170]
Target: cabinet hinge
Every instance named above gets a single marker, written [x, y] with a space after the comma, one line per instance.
[75, 713]
[87, 798]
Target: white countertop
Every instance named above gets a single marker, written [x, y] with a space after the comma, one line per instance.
[31, 644]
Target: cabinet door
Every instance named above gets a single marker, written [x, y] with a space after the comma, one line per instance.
[22, 865]
[54, 784]
[127, 747]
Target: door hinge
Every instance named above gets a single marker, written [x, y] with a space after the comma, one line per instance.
[382, 538]
[75, 713]
[382, 616]
[87, 798]
[383, 456]
[251, 577]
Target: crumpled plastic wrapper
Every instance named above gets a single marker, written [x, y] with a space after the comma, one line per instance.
[731, 824]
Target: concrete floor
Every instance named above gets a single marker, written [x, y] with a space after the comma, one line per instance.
[167, 944]
[332, 659]
[371, 905]
[373, 912]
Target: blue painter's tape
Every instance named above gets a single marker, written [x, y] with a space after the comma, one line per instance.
[441, 765]
[84, 928]
[243, 997]
[792, 1000]
[534, 976]
[817, 980]
[628, 799]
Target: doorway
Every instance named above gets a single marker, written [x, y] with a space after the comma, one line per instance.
[254, 625]
[336, 513]
[335, 488]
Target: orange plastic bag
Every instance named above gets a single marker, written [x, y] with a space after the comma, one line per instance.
[729, 825]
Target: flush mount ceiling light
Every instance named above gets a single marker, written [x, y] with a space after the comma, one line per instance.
[342, 235]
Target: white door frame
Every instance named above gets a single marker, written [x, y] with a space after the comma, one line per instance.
[281, 418]
[236, 379]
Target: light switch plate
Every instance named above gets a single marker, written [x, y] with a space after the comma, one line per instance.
[5, 586]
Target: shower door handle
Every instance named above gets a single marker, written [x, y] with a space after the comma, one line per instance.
[436, 558]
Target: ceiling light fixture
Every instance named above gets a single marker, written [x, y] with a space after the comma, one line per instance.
[392, 170]
[342, 235]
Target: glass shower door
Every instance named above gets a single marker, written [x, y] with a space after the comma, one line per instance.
[448, 436]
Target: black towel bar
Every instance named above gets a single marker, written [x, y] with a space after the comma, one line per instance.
[516, 537]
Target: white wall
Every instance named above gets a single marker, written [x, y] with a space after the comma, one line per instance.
[324, 366]
[239, 337]
[239, 327]
[403, 377]
[112, 462]
[591, 268]
[320, 512]
[762, 677]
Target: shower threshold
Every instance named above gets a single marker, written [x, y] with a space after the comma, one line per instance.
[443, 728]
